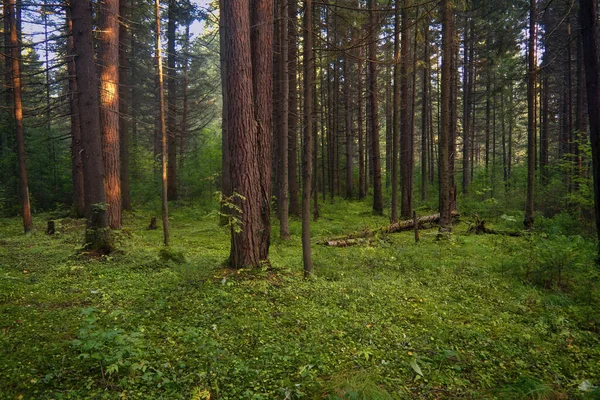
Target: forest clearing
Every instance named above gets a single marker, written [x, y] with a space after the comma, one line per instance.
[478, 316]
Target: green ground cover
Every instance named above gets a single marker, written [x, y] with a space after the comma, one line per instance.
[476, 317]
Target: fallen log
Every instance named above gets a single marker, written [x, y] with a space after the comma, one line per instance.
[354, 238]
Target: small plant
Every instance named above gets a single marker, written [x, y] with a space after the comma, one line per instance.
[233, 216]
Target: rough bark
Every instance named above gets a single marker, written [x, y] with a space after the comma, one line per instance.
[15, 52]
[97, 236]
[262, 82]
[242, 136]
[226, 189]
[109, 109]
[425, 113]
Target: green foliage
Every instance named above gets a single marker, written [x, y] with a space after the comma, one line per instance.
[387, 319]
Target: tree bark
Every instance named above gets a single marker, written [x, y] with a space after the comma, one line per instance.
[242, 136]
[308, 137]
[15, 52]
[445, 184]
[262, 80]
[396, 115]
[226, 188]
[171, 102]
[293, 108]
[588, 16]
[425, 113]
[97, 237]
[283, 145]
[163, 129]
[406, 139]
[531, 80]
[109, 109]
[373, 110]
[124, 96]
[76, 160]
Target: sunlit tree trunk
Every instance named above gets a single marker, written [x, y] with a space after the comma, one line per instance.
[97, 236]
[171, 102]
[124, 96]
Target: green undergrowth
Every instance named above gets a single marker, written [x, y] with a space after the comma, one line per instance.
[477, 317]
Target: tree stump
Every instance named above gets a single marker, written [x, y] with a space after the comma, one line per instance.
[51, 228]
[152, 225]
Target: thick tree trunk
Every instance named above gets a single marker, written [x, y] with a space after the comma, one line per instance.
[15, 52]
[171, 102]
[242, 135]
[373, 110]
[163, 129]
[588, 10]
[308, 137]
[531, 80]
[445, 184]
[97, 236]
[109, 109]
[76, 160]
[293, 108]
[124, 96]
[262, 80]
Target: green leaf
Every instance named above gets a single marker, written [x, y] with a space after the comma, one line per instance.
[415, 366]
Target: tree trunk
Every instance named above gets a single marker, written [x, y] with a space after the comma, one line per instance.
[396, 115]
[308, 137]
[18, 115]
[531, 80]
[163, 128]
[226, 188]
[425, 113]
[406, 140]
[588, 10]
[124, 96]
[293, 109]
[109, 109]
[76, 160]
[544, 130]
[242, 136]
[283, 145]
[362, 191]
[349, 135]
[171, 102]
[373, 108]
[97, 237]
[466, 108]
[262, 80]
[445, 184]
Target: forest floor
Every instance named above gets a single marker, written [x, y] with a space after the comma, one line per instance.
[476, 317]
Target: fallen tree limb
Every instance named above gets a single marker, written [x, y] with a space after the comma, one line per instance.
[359, 237]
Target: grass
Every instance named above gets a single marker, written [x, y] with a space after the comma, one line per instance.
[477, 317]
